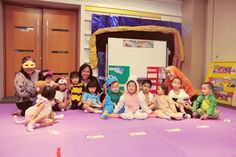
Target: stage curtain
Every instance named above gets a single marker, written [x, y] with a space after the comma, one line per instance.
[103, 21]
[178, 44]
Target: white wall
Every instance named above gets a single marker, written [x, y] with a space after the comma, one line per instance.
[221, 33]
[224, 33]
[1, 52]
[194, 19]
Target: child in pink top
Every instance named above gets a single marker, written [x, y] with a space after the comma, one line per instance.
[132, 102]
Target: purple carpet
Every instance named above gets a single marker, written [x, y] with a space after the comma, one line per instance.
[70, 135]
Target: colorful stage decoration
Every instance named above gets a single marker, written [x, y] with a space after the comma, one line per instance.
[106, 24]
[178, 44]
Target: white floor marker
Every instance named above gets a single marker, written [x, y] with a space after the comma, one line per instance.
[137, 133]
[203, 126]
[227, 120]
[93, 137]
[174, 130]
[54, 132]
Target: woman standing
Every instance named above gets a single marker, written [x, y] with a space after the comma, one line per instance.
[25, 85]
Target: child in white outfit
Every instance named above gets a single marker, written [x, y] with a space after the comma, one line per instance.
[41, 113]
[132, 102]
[146, 95]
[180, 96]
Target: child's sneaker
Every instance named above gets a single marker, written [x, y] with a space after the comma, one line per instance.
[105, 114]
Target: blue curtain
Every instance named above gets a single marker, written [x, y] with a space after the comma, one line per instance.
[103, 21]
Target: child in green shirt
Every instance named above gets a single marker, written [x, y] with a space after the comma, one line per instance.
[205, 105]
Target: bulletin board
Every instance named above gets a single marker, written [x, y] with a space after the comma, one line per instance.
[138, 54]
[223, 77]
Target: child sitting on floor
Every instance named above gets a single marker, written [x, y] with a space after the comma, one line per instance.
[132, 103]
[180, 96]
[46, 75]
[61, 100]
[146, 95]
[41, 113]
[90, 99]
[76, 91]
[165, 106]
[206, 101]
[112, 97]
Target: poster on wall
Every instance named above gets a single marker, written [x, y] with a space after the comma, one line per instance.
[138, 54]
[121, 73]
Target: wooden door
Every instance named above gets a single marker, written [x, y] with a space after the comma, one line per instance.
[23, 38]
[48, 35]
[59, 41]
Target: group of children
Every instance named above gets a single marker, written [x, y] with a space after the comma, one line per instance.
[130, 104]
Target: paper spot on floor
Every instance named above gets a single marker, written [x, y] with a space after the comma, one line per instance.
[203, 126]
[227, 120]
[174, 130]
[54, 132]
[93, 137]
[137, 133]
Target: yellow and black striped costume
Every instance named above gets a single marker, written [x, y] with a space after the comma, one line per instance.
[77, 91]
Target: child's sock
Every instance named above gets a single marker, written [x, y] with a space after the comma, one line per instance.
[30, 126]
[85, 111]
[105, 114]
[59, 116]
[19, 121]
[36, 125]
[186, 116]
[167, 117]
[98, 111]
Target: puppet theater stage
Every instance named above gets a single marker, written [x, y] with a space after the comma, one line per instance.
[86, 135]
